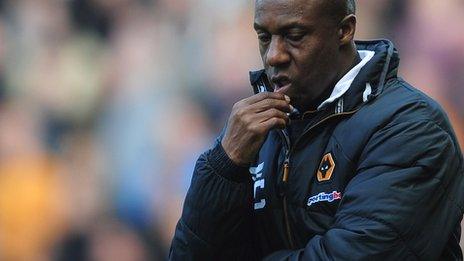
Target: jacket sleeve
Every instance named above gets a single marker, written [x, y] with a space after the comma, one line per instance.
[216, 218]
[403, 204]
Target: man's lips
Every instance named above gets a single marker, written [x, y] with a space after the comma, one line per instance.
[281, 83]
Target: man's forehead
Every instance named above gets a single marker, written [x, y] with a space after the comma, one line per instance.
[289, 7]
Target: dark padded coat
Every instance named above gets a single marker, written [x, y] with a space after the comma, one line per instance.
[377, 175]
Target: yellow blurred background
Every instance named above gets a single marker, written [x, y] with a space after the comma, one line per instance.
[106, 104]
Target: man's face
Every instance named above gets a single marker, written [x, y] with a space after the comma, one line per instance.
[299, 46]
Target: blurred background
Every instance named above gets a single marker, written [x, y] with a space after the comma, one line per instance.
[106, 104]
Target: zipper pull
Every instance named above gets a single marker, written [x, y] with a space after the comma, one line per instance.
[283, 184]
[286, 171]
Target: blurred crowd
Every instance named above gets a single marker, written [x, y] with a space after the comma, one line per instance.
[106, 104]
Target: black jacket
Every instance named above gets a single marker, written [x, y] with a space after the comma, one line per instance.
[379, 178]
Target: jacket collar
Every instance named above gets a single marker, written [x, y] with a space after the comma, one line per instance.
[345, 82]
[366, 85]
[371, 80]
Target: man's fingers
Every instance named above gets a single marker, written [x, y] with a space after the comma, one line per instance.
[268, 104]
[266, 95]
[274, 123]
[261, 123]
[271, 113]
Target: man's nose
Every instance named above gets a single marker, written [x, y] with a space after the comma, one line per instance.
[277, 54]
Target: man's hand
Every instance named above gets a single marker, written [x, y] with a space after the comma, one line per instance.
[249, 123]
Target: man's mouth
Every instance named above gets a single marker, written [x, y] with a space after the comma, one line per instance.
[281, 83]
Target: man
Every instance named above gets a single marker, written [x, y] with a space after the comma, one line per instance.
[371, 171]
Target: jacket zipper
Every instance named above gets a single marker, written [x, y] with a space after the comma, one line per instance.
[286, 170]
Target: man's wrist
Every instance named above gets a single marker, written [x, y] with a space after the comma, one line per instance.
[232, 154]
[225, 166]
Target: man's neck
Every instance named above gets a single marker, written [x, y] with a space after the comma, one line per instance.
[351, 62]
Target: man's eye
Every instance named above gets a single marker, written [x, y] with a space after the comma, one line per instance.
[294, 37]
[264, 38]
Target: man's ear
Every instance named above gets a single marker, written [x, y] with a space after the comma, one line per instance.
[347, 29]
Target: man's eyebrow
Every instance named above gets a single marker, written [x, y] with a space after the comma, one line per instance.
[291, 25]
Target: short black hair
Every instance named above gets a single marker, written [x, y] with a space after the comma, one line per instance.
[339, 9]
